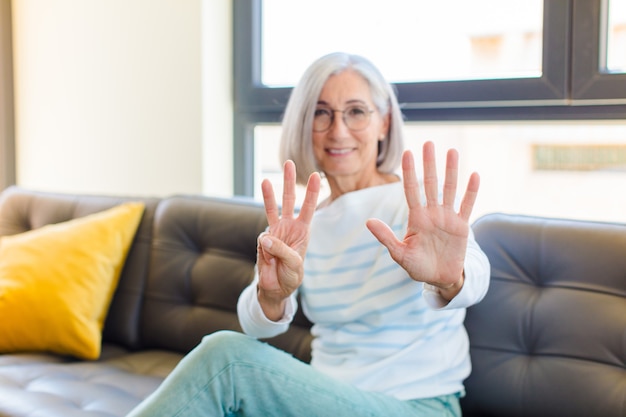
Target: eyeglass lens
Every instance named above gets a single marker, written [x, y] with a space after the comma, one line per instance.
[354, 117]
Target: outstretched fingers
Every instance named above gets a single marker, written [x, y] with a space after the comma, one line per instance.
[430, 182]
[269, 201]
[310, 199]
[272, 211]
[409, 178]
[467, 204]
[289, 189]
[431, 187]
[450, 181]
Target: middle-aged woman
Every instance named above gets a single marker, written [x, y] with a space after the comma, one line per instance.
[384, 272]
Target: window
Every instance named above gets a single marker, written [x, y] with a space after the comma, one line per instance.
[498, 114]
[506, 45]
[572, 169]
[615, 56]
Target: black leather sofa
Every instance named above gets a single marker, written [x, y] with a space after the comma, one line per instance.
[549, 339]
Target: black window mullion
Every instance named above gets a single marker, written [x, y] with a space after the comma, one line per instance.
[589, 82]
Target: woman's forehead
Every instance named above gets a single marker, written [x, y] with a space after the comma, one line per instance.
[345, 87]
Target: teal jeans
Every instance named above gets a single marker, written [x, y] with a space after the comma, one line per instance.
[230, 374]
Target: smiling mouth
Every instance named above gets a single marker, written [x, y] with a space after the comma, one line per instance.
[343, 151]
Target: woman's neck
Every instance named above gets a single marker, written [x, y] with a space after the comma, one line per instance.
[339, 187]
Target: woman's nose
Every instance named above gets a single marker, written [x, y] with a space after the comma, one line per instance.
[338, 126]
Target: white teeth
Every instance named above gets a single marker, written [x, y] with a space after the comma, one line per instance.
[339, 151]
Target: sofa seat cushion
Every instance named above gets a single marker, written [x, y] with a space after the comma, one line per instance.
[32, 384]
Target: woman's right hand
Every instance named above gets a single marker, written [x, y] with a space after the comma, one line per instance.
[281, 249]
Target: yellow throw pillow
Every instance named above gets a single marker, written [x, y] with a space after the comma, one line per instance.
[57, 282]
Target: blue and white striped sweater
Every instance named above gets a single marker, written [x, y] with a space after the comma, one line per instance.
[372, 325]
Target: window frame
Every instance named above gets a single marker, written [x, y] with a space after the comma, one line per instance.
[589, 83]
[572, 87]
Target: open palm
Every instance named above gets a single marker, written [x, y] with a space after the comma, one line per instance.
[433, 249]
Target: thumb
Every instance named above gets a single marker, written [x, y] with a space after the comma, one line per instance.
[384, 234]
[278, 249]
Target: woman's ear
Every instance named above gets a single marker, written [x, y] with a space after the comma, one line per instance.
[384, 129]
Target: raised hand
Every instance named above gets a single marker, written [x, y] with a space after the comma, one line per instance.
[280, 250]
[433, 249]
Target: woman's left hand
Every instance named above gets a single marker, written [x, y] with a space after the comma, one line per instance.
[433, 249]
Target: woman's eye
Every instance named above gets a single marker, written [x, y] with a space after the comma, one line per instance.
[322, 112]
[356, 111]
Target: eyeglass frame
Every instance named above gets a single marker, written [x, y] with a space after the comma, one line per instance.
[368, 113]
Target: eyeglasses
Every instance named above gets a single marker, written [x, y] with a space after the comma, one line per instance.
[354, 117]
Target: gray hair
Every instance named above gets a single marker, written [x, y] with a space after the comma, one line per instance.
[297, 127]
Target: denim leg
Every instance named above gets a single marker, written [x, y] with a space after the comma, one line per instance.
[229, 374]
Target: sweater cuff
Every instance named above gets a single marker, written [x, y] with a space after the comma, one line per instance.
[433, 297]
[257, 311]
[253, 320]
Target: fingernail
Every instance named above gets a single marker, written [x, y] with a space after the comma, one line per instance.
[266, 242]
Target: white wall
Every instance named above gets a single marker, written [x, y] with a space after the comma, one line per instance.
[217, 100]
[109, 96]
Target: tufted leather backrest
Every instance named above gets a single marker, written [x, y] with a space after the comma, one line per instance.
[549, 339]
[22, 210]
[203, 256]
